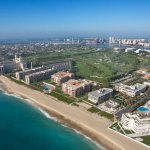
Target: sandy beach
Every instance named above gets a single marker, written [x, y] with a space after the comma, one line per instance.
[87, 123]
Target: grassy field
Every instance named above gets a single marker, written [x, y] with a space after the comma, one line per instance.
[100, 66]
[146, 140]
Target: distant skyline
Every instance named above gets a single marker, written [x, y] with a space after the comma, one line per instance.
[60, 18]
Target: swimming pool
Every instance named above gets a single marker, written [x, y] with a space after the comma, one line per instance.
[143, 109]
[45, 87]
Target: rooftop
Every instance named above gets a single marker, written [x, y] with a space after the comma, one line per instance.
[77, 83]
[134, 87]
[145, 117]
[62, 74]
[101, 92]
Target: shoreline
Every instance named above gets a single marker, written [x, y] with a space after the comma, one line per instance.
[95, 133]
[59, 118]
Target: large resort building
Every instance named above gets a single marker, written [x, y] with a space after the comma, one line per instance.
[100, 95]
[61, 77]
[39, 76]
[139, 123]
[21, 74]
[13, 65]
[76, 87]
[131, 91]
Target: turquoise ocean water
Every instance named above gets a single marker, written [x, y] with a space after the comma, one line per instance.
[24, 127]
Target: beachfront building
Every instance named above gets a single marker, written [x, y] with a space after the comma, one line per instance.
[61, 77]
[39, 76]
[109, 106]
[21, 74]
[131, 91]
[100, 95]
[76, 87]
[139, 123]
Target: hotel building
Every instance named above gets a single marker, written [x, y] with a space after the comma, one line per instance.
[61, 77]
[100, 95]
[132, 91]
[76, 87]
[21, 74]
[139, 123]
[39, 76]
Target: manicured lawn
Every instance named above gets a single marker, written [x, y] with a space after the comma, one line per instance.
[62, 97]
[93, 109]
[146, 140]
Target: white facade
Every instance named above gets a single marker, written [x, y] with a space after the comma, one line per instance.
[147, 83]
[132, 91]
[130, 50]
[100, 95]
[109, 106]
[138, 123]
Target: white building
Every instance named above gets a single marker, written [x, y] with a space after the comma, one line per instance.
[147, 83]
[132, 91]
[109, 106]
[100, 95]
[130, 50]
[139, 123]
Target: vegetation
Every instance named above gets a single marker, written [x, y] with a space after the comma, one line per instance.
[101, 113]
[146, 140]
[106, 115]
[93, 109]
[62, 97]
[100, 66]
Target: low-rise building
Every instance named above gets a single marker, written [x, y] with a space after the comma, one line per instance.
[146, 76]
[76, 87]
[130, 50]
[139, 123]
[109, 106]
[100, 95]
[61, 77]
[147, 83]
[131, 91]
[39, 76]
[61, 66]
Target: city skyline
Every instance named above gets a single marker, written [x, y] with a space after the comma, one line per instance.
[55, 18]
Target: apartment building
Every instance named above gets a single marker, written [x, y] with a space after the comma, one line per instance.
[100, 95]
[39, 76]
[131, 91]
[21, 74]
[139, 123]
[61, 77]
[76, 87]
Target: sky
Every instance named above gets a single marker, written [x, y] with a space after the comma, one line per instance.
[56, 18]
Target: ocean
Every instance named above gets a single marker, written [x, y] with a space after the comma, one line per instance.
[26, 127]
